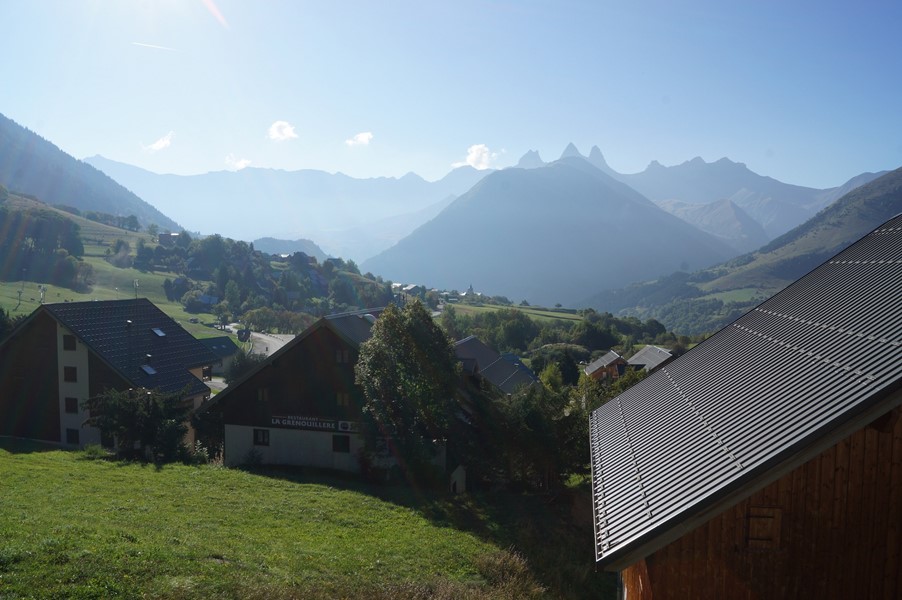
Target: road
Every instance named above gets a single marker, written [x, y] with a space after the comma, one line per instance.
[266, 343]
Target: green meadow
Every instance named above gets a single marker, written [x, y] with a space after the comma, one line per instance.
[76, 527]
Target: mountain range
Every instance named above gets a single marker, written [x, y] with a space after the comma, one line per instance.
[549, 235]
[711, 298]
[573, 231]
[776, 206]
[345, 216]
[31, 165]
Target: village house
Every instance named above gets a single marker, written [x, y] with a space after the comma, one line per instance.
[650, 359]
[767, 461]
[225, 350]
[300, 407]
[609, 367]
[65, 353]
[504, 372]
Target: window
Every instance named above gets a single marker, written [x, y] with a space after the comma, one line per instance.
[72, 437]
[261, 437]
[70, 374]
[342, 356]
[71, 405]
[341, 443]
[343, 399]
[263, 394]
[68, 342]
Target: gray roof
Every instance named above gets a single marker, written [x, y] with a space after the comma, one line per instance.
[506, 373]
[222, 346]
[609, 358]
[355, 327]
[784, 382]
[650, 357]
[104, 328]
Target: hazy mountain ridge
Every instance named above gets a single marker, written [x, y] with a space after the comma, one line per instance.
[777, 206]
[549, 234]
[723, 219]
[331, 209]
[29, 164]
[708, 299]
[275, 247]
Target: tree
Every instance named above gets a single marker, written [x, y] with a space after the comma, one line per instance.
[153, 229]
[145, 423]
[409, 374]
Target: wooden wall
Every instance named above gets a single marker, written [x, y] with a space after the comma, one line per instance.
[29, 382]
[832, 528]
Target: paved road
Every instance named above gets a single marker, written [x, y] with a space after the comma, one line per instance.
[266, 343]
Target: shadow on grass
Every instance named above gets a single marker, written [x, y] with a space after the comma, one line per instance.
[15, 445]
[554, 533]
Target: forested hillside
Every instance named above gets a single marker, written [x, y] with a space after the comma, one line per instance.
[31, 165]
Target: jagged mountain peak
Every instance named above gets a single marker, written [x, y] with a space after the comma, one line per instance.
[571, 151]
[530, 160]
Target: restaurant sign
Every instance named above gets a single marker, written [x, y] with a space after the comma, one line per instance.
[315, 424]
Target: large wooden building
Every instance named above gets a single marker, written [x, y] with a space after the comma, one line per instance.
[64, 353]
[301, 406]
[767, 461]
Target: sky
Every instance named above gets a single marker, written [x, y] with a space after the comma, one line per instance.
[809, 93]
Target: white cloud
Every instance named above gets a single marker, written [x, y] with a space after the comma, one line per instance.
[236, 164]
[361, 139]
[160, 144]
[478, 156]
[281, 131]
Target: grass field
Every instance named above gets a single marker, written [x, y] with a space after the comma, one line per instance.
[77, 528]
[538, 314]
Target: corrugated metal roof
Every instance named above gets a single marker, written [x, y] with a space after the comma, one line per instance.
[751, 399]
[123, 333]
[650, 357]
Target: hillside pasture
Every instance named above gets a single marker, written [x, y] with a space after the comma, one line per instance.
[536, 313]
[73, 527]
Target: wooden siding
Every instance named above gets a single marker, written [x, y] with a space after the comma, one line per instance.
[831, 528]
[304, 381]
[29, 400]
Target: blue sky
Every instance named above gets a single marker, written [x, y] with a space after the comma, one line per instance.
[806, 92]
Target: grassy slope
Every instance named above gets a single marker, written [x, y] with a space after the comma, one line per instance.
[96, 529]
[538, 314]
[110, 282]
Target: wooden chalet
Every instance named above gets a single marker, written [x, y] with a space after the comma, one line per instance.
[300, 407]
[65, 353]
[767, 461]
[609, 367]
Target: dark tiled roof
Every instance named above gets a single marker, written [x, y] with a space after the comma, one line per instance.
[650, 357]
[602, 362]
[506, 373]
[355, 327]
[222, 346]
[763, 395]
[104, 328]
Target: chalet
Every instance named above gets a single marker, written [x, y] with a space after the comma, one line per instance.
[300, 407]
[225, 350]
[504, 372]
[767, 461]
[611, 366]
[68, 352]
[650, 359]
